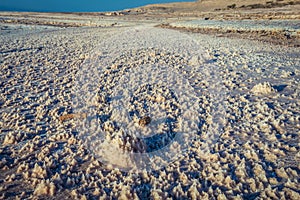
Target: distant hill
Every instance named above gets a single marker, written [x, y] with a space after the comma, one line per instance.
[215, 5]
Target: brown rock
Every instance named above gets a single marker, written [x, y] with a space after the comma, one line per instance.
[72, 116]
[144, 121]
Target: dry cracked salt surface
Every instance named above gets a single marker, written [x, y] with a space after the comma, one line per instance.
[255, 154]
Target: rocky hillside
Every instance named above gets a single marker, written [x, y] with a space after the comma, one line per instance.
[203, 6]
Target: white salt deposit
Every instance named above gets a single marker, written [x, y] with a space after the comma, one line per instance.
[263, 88]
[144, 74]
[255, 156]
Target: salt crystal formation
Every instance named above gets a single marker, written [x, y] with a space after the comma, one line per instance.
[256, 156]
[263, 88]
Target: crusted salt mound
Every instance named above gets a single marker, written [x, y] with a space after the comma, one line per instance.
[263, 88]
[45, 189]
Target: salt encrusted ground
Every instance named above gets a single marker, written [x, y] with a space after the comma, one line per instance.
[256, 154]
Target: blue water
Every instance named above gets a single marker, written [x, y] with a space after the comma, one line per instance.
[75, 5]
